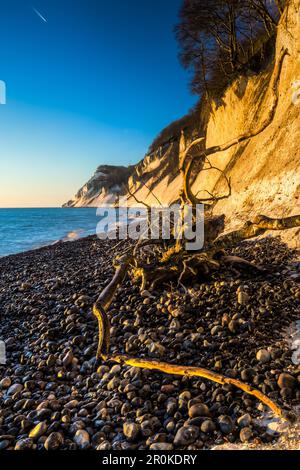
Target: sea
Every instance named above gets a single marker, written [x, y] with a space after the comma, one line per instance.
[27, 229]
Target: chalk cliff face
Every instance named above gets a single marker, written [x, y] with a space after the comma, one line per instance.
[264, 171]
[103, 188]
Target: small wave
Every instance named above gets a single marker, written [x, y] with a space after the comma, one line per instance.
[74, 235]
[70, 237]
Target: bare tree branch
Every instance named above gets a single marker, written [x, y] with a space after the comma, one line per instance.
[186, 168]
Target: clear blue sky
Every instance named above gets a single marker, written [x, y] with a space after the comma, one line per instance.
[93, 84]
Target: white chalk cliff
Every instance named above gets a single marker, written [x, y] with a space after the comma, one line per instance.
[105, 186]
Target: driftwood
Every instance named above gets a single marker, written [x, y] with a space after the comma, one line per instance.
[188, 264]
[153, 263]
[259, 226]
[167, 368]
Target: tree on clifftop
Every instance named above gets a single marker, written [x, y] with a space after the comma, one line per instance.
[218, 38]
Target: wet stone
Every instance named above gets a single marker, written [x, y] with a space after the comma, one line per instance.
[131, 430]
[208, 426]
[263, 356]
[4, 444]
[286, 381]
[226, 425]
[157, 349]
[14, 389]
[82, 439]
[199, 410]
[186, 435]
[161, 446]
[68, 358]
[5, 383]
[244, 421]
[105, 445]
[24, 444]
[38, 430]
[54, 441]
[246, 434]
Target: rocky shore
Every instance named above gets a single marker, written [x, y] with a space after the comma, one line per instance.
[54, 395]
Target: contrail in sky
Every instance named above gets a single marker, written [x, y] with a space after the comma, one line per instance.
[39, 14]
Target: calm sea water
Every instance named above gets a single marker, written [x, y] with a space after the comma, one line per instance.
[26, 229]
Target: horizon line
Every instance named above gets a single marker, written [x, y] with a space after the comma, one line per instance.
[35, 207]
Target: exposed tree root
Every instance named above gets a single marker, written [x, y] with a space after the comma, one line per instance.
[260, 224]
[237, 262]
[173, 369]
[189, 371]
[173, 264]
[186, 167]
[106, 297]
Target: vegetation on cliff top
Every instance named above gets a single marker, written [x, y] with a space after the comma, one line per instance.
[220, 40]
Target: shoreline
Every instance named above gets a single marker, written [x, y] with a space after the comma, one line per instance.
[47, 246]
[33, 228]
[53, 382]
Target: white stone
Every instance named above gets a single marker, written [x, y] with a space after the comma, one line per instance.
[2, 353]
